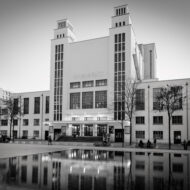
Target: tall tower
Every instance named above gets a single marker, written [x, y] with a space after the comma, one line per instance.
[63, 34]
[120, 57]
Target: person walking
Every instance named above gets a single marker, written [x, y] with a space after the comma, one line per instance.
[49, 140]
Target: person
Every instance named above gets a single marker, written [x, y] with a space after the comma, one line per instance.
[155, 142]
[185, 145]
[49, 140]
[141, 144]
[148, 144]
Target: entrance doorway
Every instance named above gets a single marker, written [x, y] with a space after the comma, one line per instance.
[119, 135]
[177, 137]
[15, 134]
[57, 132]
[76, 130]
[46, 135]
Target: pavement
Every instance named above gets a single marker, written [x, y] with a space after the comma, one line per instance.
[27, 147]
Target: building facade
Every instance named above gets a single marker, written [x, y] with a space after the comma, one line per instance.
[86, 83]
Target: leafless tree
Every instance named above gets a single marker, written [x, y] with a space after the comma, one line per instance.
[13, 112]
[169, 99]
[127, 101]
[130, 100]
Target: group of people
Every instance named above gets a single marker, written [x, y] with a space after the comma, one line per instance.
[148, 144]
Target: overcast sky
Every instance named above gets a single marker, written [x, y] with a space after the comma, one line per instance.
[26, 28]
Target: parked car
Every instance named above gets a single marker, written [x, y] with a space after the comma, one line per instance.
[4, 138]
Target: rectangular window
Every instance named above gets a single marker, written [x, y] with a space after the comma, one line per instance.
[23, 174]
[101, 130]
[177, 167]
[75, 100]
[87, 84]
[25, 122]
[157, 120]
[157, 134]
[75, 85]
[34, 174]
[140, 134]
[87, 100]
[178, 94]
[140, 120]
[140, 99]
[25, 134]
[158, 166]
[16, 108]
[15, 122]
[140, 165]
[4, 111]
[101, 82]
[36, 134]
[36, 122]
[88, 130]
[47, 104]
[37, 105]
[177, 120]
[4, 122]
[26, 105]
[101, 99]
[156, 92]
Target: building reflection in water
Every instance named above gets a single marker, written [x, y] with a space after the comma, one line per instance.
[96, 170]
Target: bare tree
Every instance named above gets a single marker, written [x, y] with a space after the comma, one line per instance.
[125, 104]
[130, 100]
[13, 112]
[169, 99]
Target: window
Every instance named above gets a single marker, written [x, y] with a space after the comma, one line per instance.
[178, 90]
[87, 84]
[37, 105]
[26, 105]
[87, 100]
[34, 174]
[101, 82]
[177, 120]
[25, 122]
[46, 119]
[47, 104]
[3, 132]
[4, 122]
[75, 85]
[15, 122]
[4, 111]
[158, 134]
[156, 92]
[25, 133]
[16, 108]
[101, 99]
[36, 122]
[36, 134]
[140, 100]
[140, 120]
[23, 174]
[101, 130]
[157, 120]
[140, 134]
[88, 130]
[140, 165]
[75, 100]
[177, 167]
[45, 180]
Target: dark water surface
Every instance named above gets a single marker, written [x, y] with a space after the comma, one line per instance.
[96, 170]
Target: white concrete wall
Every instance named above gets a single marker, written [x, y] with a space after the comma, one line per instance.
[148, 113]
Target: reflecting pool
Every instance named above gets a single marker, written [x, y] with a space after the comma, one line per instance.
[96, 170]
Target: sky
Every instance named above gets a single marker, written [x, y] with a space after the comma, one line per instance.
[26, 30]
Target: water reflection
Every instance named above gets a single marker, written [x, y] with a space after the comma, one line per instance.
[96, 170]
